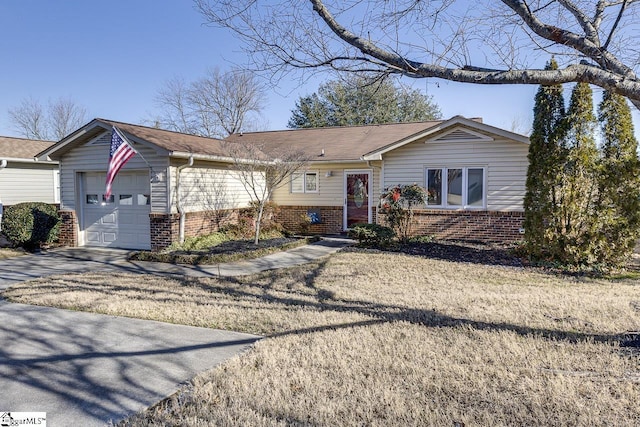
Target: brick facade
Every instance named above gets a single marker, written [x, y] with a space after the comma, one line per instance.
[165, 228]
[291, 218]
[481, 226]
[68, 228]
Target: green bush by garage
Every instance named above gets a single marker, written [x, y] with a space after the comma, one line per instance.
[31, 224]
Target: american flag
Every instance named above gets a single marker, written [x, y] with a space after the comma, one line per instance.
[119, 154]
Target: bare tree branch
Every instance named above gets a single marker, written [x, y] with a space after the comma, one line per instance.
[447, 39]
[215, 105]
[262, 169]
[31, 120]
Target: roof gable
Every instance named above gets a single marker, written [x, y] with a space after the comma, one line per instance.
[460, 134]
[457, 129]
[164, 142]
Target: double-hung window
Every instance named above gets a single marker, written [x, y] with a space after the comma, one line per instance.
[304, 182]
[456, 188]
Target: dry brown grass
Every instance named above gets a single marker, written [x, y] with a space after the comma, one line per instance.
[10, 253]
[380, 339]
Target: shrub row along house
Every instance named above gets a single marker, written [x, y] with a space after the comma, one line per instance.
[474, 173]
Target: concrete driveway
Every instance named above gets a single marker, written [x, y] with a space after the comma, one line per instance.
[88, 369]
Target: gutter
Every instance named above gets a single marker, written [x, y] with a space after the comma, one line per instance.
[179, 199]
[34, 160]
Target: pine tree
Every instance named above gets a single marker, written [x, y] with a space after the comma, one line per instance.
[545, 166]
[574, 220]
[359, 100]
[618, 202]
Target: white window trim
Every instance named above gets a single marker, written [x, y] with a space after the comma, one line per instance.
[304, 182]
[465, 187]
[56, 185]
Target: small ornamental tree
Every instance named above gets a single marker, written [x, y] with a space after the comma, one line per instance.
[398, 203]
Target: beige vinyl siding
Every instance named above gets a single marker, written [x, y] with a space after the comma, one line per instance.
[505, 162]
[94, 157]
[27, 182]
[209, 186]
[330, 189]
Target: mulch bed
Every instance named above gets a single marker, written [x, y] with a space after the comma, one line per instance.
[476, 253]
[240, 246]
[233, 250]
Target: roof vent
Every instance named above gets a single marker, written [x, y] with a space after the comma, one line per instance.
[322, 153]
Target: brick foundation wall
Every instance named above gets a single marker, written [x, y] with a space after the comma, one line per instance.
[68, 228]
[482, 226]
[165, 228]
[330, 216]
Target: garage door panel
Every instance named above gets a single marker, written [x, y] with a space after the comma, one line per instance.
[109, 237]
[92, 237]
[109, 218]
[123, 223]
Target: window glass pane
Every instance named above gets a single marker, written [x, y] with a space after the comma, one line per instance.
[92, 199]
[434, 187]
[475, 184]
[126, 199]
[297, 183]
[311, 182]
[108, 201]
[454, 187]
[143, 199]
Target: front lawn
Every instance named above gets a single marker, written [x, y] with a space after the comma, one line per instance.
[389, 339]
[10, 253]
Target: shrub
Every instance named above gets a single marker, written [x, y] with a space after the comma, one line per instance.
[397, 203]
[372, 234]
[31, 224]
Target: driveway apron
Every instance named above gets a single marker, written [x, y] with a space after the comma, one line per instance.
[90, 369]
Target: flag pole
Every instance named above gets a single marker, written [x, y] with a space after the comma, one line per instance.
[125, 139]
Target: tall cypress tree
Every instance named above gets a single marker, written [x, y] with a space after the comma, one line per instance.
[545, 165]
[574, 219]
[618, 202]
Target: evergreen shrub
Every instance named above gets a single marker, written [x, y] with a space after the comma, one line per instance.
[31, 224]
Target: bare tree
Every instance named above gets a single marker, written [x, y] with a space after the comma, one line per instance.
[60, 118]
[482, 42]
[262, 170]
[173, 99]
[29, 119]
[216, 105]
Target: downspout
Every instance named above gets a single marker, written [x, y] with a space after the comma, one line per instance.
[179, 199]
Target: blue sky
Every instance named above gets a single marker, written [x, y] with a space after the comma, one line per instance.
[112, 57]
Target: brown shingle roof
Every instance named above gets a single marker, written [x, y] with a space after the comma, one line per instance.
[338, 143]
[20, 148]
[172, 141]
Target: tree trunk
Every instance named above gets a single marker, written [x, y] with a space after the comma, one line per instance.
[259, 221]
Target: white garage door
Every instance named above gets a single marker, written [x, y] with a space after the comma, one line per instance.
[123, 220]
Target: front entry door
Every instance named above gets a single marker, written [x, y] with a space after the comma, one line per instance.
[357, 198]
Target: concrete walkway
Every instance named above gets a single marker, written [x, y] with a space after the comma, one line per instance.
[76, 260]
[89, 369]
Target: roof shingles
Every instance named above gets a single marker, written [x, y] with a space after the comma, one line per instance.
[337, 143]
[20, 148]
